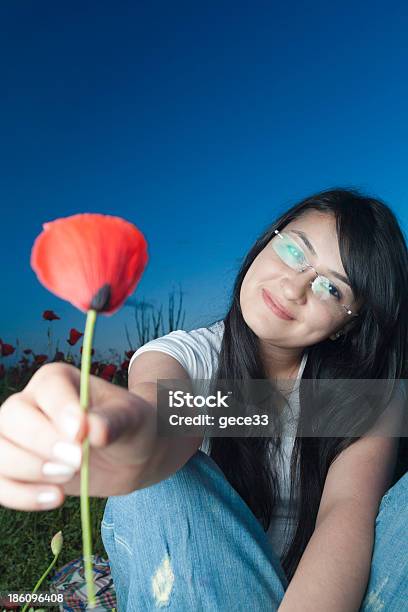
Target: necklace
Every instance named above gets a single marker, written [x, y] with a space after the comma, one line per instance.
[286, 385]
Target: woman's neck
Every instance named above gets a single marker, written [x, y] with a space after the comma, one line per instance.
[280, 364]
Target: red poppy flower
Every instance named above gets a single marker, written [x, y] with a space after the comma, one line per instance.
[40, 359]
[74, 336]
[108, 371]
[93, 261]
[125, 365]
[59, 356]
[6, 349]
[2, 370]
[92, 351]
[129, 354]
[94, 367]
[49, 315]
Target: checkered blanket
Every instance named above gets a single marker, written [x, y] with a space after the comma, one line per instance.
[70, 580]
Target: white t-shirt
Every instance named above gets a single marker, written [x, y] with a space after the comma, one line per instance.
[197, 351]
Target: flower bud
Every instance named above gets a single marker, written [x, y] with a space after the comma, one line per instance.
[56, 543]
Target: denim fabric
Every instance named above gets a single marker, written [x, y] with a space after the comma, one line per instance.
[190, 543]
[387, 589]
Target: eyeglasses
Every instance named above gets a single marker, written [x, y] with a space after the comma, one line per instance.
[323, 288]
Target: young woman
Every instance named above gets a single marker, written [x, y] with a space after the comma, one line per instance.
[290, 522]
[322, 294]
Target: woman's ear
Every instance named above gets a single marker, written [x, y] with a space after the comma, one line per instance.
[350, 325]
[343, 330]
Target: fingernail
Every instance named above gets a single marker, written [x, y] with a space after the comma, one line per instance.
[47, 498]
[57, 469]
[70, 424]
[67, 453]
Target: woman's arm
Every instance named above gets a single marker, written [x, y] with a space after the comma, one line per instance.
[334, 569]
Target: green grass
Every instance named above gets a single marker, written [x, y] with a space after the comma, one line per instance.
[25, 551]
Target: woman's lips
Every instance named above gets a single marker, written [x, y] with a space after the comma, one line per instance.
[276, 308]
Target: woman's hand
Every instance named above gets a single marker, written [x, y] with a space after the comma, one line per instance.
[41, 433]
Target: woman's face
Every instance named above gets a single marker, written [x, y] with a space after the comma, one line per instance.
[316, 312]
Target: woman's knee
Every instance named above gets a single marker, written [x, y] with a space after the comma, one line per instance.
[395, 499]
[388, 586]
[166, 502]
[193, 526]
[196, 505]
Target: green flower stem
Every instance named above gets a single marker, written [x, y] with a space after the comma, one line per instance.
[37, 586]
[84, 400]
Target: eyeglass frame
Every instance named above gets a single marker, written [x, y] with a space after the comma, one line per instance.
[308, 265]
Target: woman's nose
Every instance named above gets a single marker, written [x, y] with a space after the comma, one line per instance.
[296, 285]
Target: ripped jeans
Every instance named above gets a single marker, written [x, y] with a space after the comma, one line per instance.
[190, 544]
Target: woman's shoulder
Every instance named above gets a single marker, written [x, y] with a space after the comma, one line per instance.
[200, 339]
[212, 334]
[197, 350]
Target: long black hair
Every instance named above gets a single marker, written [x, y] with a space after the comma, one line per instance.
[374, 255]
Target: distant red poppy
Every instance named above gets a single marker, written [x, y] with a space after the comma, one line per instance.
[2, 370]
[40, 359]
[129, 354]
[74, 336]
[49, 315]
[125, 365]
[92, 351]
[59, 356]
[6, 349]
[108, 371]
[93, 261]
[94, 367]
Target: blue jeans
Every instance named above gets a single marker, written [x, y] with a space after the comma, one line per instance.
[190, 543]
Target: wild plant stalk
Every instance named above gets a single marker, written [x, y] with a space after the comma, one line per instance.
[49, 334]
[56, 547]
[148, 325]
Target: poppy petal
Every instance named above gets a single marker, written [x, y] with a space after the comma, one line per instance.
[7, 349]
[90, 260]
[74, 336]
[108, 371]
[40, 359]
[49, 315]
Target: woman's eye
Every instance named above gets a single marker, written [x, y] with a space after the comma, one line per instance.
[332, 290]
[295, 253]
[335, 292]
[325, 289]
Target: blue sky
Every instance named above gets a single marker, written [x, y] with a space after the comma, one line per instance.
[198, 122]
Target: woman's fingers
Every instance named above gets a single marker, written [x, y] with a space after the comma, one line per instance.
[54, 388]
[38, 450]
[19, 464]
[42, 429]
[27, 427]
[29, 497]
[112, 416]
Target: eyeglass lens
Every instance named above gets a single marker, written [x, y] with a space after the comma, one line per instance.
[326, 290]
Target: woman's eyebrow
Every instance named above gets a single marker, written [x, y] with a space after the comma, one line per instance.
[311, 249]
